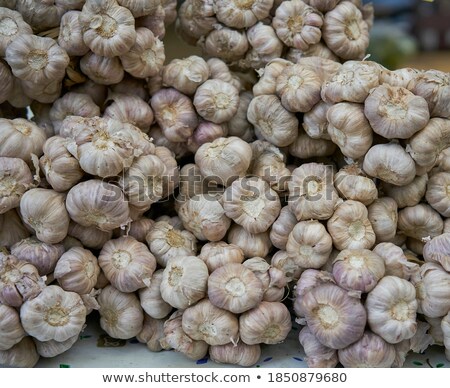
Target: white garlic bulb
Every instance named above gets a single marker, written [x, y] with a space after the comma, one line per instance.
[282, 227]
[407, 195]
[351, 183]
[236, 354]
[151, 300]
[436, 194]
[395, 261]
[253, 245]
[12, 229]
[420, 221]
[437, 251]
[317, 355]
[21, 355]
[287, 265]
[218, 254]
[383, 218]
[10, 327]
[53, 348]
[151, 334]
[445, 326]
[89, 236]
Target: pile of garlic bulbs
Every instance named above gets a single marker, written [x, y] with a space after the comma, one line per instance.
[251, 33]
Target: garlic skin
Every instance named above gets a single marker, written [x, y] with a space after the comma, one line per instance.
[358, 269]
[236, 354]
[121, 315]
[311, 192]
[43, 256]
[12, 229]
[436, 194]
[89, 236]
[19, 281]
[351, 183]
[218, 254]
[235, 288]
[152, 332]
[391, 309]
[21, 355]
[297, 24]
[166, 242]
[345, 31]
[13, 25]
[43, 211]
[268, 323]
[225, 43]
[15, 179]
[420, 221]
[390, 163]
[54, 314]
[350, 227]
[349, 129]
[185, 75]
[370, 351]
[206, 322]
[433, 85]
[383, 218]
[282, 227]
[70, 36]
[10, 327]
[335, 318]
[309, 244]
[239, 15]
[102, 70]
[216, 100]
[97, 203]
[19, 138]
[317, 355]
[395, 112]
[184, 281]
[77, 271]
[127, 263]
[253, 245]
[408, 195]
[224, 160]
[151, 299]
[437, 251]
[395, 261]
[272, 121]
[251, 203]
[53, 348]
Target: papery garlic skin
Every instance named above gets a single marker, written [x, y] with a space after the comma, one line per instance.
[54, 314]
[317, 355]
[21, 355]
[268, 323]
[370, 351]
[121, 315]
[184, 281]
[236, 354]
[10, 327]
[151, 299]
[391, 309]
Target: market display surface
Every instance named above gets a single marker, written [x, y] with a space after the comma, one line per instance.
[280, 201]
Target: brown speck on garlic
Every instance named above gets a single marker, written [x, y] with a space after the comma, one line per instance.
[268, 323]
[226, 43]
[11, 26]
[253, 245]
[151, 299]
[351, 183]
[97, 203]
[10, 327]
[358, 269]
[184, 281]
[420, 221]
[102, 70]
[121, 315]
[54, 314]
[272, 121]
[21, 355]
[70, 36]
[152, 332]
[345, 31]
[235, 288]
[127, 263]
[218, 254]
[391, 309]
[317, 355]
[237, 354]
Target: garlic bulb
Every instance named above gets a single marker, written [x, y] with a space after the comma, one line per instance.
[235, 288]
[358, 269]
[166, 241]
[437, 251]
[13, 25]
[383, 218]
[15, 179]
[19, 138]
[333, 316]
[21, 355]
[224, 160]
[206, 322]
[394, 112]
[43, 211]
[43, 256]
[184, 281]
[206, 132]
[154, 21]
[309, 244]
[238, 15]
[370, 351]
[77, 270]
[350, 227]
[420, 221]
[70, 36]
[54, 314]
[218, 254]
[127, 263]
[236, 354]
[351, 183]
[287, 265]
[407, 195]
[62, 170]
[272, 121]
[218, 69]
[282, 227]
[436, 194]
[121, 315]
[391, 309]
[7, 82]
[152, 332]
[151, 299]
[311, 192]
[10, 327]
[315, 121]
[19, 281]
[445, 325]
[97, 203]
[268, 323]
[305, 147]
[102, 70]
[395, 261]
[53, 348]
[253, 245]
[317, 355]
[267, 84]
[139, 229]
[89, 236]
[225, 43]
